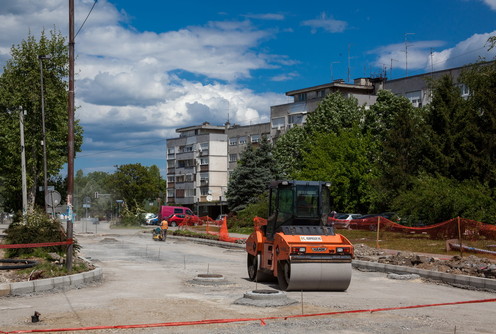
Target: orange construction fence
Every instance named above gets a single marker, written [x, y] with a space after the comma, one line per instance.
[453, 228]
[212, 227]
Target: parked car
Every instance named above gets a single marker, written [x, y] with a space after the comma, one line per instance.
[343, 219]
[177, 218]
[221, 217]
[167, 211]
[152, 221]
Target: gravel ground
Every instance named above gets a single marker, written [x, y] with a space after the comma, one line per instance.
[147, 282]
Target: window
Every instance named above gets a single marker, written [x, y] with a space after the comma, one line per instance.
[171, 150]
[170, 193]
[464, 91]
[203, 178]
[255, 138]
[188, 148]
[233, 141]
[180, 178]
[204, 147]
[415, 98]
[204, 191]
[203, 161]
[278, 123]
[189, 193]
[233, 157]
[242, 140]
[321, 93]
[189, 178]
[301, 97]
[171, 178]
[179, 193]
[185, 163]
[296, 119]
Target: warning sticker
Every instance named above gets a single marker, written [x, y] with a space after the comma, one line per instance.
[310, 238]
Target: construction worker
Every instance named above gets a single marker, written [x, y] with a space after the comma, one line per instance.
[164, 226]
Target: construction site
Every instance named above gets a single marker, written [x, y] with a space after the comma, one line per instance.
[192, 285]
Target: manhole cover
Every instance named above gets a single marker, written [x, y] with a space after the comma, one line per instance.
[265, 298]
[209, 279]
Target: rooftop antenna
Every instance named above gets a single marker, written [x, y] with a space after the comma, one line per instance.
[406, 52]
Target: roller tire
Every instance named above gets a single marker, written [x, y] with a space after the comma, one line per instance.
[283, 274]
[254, 272]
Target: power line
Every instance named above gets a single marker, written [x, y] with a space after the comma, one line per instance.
[82, 25]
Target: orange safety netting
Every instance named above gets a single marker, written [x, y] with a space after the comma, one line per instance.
[212, 227]
[470, 229]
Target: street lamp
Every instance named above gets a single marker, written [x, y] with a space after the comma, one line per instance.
[45, 185]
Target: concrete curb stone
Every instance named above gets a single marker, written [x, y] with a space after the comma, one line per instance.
[476, 282]
[49, 284]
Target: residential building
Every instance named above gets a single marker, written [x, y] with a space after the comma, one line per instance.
[239, 136]
[306, 100]
[197, 167]
[199, 162]
[416, 87]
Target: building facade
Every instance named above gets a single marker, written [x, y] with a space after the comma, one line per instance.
[200, 160]
[284, 117]
[241, 136]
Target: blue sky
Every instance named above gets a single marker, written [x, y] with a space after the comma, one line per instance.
[145, 68]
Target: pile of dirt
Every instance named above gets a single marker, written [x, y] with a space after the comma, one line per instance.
[470, 265]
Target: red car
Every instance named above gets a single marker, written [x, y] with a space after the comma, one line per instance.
[176, 219]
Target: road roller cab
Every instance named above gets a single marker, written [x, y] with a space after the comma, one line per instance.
[296, 244]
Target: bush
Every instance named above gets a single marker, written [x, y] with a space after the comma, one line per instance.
[244, 218]
[437, 199]
[39, 228]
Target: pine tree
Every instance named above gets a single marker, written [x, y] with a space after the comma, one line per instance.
[251, 177]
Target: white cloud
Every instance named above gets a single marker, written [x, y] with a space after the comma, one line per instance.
[329, 24]
[135, 87]
[490, 3]
[266, 16]
[421, 58]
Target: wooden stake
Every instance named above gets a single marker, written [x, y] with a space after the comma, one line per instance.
[460, 237]
[302, 302]
[378, 227]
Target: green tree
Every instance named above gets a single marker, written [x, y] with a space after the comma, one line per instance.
[451, 149]
[251, 177]
[481, 82]
[135, 183]
[341, 158]
[334, 113]
[86, 186]
[437, 199]
[20, 85]
[396, 130]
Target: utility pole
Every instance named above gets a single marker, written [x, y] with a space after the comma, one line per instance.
[70, 138]
[45, 182]
[406, 52]
[23, 167]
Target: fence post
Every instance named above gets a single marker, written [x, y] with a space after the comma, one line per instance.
[378, 227]
[460, 237]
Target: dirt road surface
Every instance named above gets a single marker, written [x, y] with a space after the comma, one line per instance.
[149, 282]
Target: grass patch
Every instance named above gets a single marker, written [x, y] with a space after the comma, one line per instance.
[241, 230]
[187, 233]
[410, 242]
